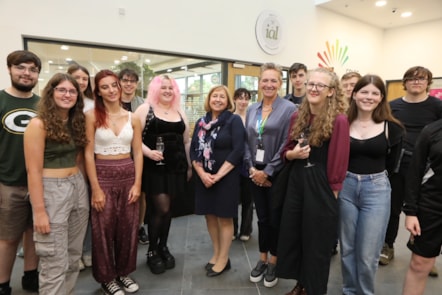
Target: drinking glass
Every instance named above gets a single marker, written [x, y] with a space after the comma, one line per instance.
[303, 141]
[160, 147]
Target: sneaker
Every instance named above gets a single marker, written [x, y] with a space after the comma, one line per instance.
[244, 238]
[143, 238]
[155, 262]
[433, 272]
[112, 288]
[30, 282]
[387, 254]
[168, 259]
[128, 284]
[81, 265]
[5, 291]
[270, 278]
[87, 260]
[258, 272]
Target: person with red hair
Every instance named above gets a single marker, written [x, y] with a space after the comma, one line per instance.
[114, 164]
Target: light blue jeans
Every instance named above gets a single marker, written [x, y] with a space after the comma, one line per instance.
[364, 208]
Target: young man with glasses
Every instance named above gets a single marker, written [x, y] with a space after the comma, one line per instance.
[17, 107]
[129, 83]
[415, 110]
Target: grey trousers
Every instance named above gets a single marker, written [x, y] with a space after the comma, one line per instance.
[67, 205]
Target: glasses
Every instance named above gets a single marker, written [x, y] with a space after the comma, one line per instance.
[64, 91]
[319, 86]
[20, 68]
[419, 80]
[126, 81]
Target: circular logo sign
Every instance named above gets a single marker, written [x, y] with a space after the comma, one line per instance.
[269, 32]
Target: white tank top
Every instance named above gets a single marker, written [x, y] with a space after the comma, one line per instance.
[107, 143]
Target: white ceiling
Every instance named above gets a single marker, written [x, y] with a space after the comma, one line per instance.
[388, 16]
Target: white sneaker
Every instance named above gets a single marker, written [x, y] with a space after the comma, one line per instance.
[87, 260]
[112, 288]
[81, 264]
[244, 238]
[128, 284]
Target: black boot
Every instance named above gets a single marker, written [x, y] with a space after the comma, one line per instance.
[168, 259]
[155, 262]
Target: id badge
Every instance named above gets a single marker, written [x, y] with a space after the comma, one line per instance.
[259, 155]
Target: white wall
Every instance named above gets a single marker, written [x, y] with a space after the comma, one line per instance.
[216, 28]
[410, 46]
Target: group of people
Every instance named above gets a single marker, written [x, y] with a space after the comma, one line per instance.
[333, 159]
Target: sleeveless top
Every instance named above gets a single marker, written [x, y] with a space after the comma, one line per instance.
[59, 155]
[368, 156]
[107, 143]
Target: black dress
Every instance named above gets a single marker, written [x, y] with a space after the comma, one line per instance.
[170, 178]
[222, 198]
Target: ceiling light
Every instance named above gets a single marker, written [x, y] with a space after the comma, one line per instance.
[169, 70]
[50, 62]
[64, 47]
[406, 14]
[68, 59]
[380, 3]
[147, 60]
[124, 57]
[116, 61]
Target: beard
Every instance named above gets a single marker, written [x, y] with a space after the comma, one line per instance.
[23, 88]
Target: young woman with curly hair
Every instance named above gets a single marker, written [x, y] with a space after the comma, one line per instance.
[53, 144]
[318, 147]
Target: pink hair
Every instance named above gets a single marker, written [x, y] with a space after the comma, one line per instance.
[153, 95]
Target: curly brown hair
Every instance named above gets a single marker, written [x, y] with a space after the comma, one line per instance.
[321, 128]
[56, 131]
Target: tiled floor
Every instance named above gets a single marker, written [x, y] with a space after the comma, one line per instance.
[190, 244]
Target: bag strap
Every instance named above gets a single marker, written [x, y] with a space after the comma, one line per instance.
[149, 117]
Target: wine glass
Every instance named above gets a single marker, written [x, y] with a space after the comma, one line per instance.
[160, 147]
[303, 142]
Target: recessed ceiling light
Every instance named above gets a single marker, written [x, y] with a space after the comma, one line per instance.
[116, 61]
[406, 14]
[124, 57]
[380, 3]
[68, 59]
[64, 47]
[147, 60]
[169, 70]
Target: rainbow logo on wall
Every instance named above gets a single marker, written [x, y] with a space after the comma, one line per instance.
[333, 56]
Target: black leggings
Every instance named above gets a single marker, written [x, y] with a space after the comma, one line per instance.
[158, 219]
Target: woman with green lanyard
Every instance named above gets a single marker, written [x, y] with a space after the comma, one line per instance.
[267, 124]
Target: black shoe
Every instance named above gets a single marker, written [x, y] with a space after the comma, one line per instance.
[155, 262]
[30, 282]
[208, 266]
[168, 259]
[5, 290]
[143, 238]
[212, 273]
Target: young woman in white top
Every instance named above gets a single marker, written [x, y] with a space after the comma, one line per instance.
[115, 180]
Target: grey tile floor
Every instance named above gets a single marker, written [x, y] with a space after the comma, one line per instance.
[190, 244]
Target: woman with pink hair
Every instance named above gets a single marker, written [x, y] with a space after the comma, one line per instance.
[166, 169]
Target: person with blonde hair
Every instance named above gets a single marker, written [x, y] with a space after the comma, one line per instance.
[318, 147]
[267, 124]
[216, 152]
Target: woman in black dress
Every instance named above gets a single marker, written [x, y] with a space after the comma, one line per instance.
[216, 152]
[165, 172]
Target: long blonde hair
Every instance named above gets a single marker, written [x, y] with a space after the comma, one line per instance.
[321, 128]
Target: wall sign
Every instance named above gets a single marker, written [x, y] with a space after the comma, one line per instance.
[269, 32]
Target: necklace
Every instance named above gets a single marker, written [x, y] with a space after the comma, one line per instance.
[165, 111]
[114, 121]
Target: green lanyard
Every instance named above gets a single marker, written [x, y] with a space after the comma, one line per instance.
[260, 123]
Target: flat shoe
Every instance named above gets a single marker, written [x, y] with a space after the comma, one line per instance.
[211, 273]
[208, 266]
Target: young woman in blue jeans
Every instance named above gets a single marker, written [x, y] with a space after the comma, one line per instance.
[364, 201]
